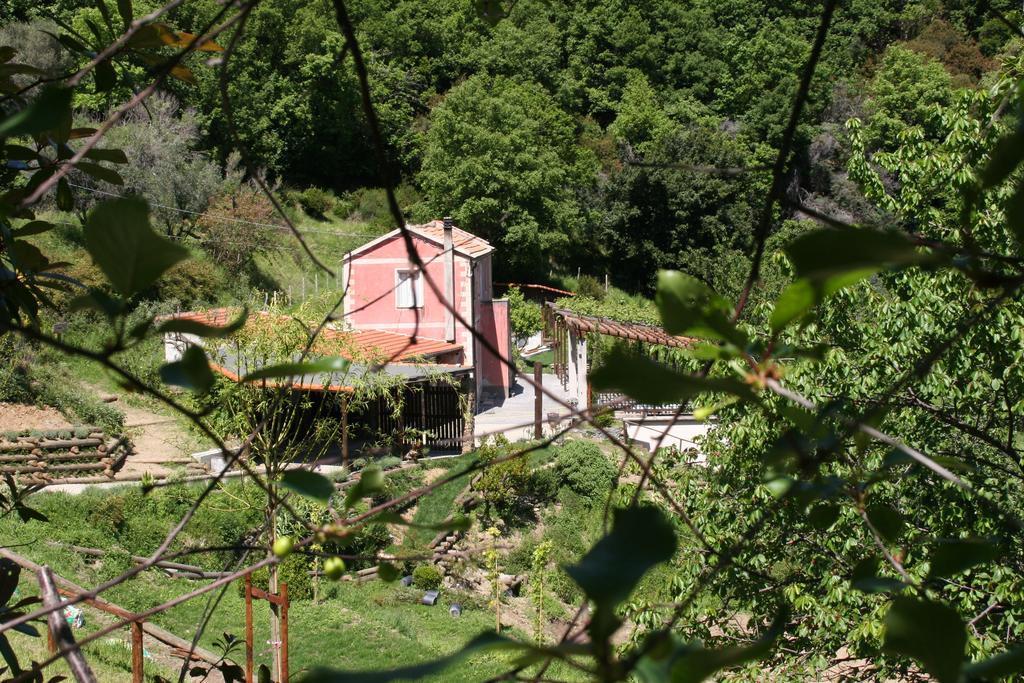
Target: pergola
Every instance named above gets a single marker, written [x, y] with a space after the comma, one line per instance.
[565, 331]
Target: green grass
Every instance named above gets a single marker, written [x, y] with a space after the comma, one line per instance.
[439, 504]
[357, 626]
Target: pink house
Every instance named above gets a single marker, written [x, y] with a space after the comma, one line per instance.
[386, 292]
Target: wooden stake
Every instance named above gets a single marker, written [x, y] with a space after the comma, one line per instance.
[538, 401]
[137, 652]
[284, 631]
[248, 628]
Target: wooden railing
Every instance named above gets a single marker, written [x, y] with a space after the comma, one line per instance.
[179, 646]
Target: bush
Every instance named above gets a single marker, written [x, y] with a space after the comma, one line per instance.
[426, 577]
[503, 485]
[314, 201]
[293, 570]
[583, 467]
[229, 241]
[525, 316]
[543, 485]
[589, 286]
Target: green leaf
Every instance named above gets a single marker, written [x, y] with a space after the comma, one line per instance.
[32, 228]
[482, 642]
[928, 632]
[999, 666]
[1005, 157]
[329, 364]
[105, 75]
[10, 572]
[100, 172]
[865, 578]
[20, 153]
[185, 326]
[27, 257]
[826, 253]
[687, 664]
[97, 300]
[308, 484]
[650, 382]
[371, 481]
[804, 294]
[7, 652]
[44, 113]
[113, 155]
[688, 306]
[823, 516]
[641, 537]
[124, 8]
[65, 200]
[191, 372]
[7, 53]
[886, 520]
[1015, 212]
[954, 556]
[101, 5]
[120, 240]
[388, 572]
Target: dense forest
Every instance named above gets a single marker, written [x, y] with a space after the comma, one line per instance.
[571, 134]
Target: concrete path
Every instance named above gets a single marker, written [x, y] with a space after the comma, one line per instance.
[515, 415]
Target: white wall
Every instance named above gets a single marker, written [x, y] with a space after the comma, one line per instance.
[683, 434]
[175, 344]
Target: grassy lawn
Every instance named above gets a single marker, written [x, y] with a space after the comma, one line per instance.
[355, 626]
[438, 505]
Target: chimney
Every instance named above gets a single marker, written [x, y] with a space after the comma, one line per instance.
[449, 280]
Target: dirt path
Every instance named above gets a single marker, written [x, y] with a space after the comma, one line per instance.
[161, 445]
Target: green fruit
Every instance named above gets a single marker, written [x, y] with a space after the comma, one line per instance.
[334, 567]
[283, 546]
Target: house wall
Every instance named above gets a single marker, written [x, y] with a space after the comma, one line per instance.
[370, 299]
[494, 327]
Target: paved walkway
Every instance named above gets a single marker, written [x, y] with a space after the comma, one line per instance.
[514, 416]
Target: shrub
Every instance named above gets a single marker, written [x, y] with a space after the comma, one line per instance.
[589, 286]
[584, 468]
[426, 577]
[343, 208]
[229, 241]
[504, 484]
[525, 316]
[52, 388]
[543, 484]
[605, 419]
[293, 570]
[314, 201]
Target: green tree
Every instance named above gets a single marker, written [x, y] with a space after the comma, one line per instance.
[501, 158]
[907, 91]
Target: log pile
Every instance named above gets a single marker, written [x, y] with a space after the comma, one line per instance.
[84, 455]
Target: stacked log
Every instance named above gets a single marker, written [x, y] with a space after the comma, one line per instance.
[443, 546]
[82, 455]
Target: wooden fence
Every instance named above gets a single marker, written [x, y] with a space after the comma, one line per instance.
[432, 415]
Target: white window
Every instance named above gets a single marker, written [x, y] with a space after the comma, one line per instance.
[408, 289]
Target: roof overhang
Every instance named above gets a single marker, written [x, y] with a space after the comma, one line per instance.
[481, 247]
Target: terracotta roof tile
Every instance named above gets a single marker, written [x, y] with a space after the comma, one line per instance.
[464, 242]
[374, 345]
